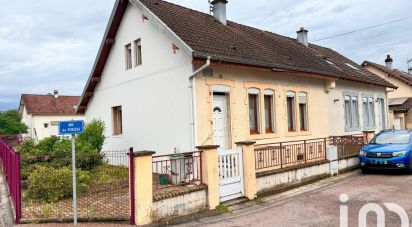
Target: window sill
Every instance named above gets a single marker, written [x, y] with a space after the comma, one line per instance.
[117, 136]
[263, 136]
[369, 128]
[298, 133]
[352, 129]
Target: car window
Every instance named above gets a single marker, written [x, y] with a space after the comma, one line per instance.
[391, 138]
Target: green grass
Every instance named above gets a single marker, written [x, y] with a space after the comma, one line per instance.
[222, 208]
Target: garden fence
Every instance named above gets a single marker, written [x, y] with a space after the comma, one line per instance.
[102, 193]
[10, 160]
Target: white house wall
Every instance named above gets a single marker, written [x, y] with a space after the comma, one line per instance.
[336, 102]
[154, 96]
[38, 121]
[27, 119]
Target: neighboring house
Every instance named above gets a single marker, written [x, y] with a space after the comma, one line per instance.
[153, 85]
[400, 100]
[41, 113]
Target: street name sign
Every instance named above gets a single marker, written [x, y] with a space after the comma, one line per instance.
[71, 127]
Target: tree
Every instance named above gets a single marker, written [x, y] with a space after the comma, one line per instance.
[10, 123]
[93, 134]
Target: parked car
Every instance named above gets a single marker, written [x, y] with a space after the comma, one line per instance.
[390, 149]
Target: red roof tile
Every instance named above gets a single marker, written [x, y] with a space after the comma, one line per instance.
[236, 43]
[48, 104]
[399, 75]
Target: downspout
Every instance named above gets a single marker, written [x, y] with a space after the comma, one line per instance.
[193, 102]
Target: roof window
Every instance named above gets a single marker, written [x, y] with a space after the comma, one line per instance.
[351, 66]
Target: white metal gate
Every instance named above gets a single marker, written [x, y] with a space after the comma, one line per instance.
[230, 174]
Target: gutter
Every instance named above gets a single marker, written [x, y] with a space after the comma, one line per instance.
[203, 67]
[193, 102]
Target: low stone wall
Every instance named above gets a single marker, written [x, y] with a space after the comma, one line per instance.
[348, 163]
[268, 181]
[284, 179]
[179, 205]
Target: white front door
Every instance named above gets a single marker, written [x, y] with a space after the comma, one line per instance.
[397, 123]
[220, 120]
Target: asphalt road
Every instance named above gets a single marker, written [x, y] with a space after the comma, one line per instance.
[319, 204]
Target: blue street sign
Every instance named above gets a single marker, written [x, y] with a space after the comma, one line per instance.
[71, 127]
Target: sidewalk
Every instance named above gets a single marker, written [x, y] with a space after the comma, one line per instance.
[6, 218]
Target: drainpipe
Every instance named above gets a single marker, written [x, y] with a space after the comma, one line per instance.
[193, 102]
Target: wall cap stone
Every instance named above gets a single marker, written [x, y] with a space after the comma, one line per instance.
[143, 153]
[207, 147]
[250, 142]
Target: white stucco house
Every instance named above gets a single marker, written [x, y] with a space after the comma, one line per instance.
[168, 78]
[41, 113]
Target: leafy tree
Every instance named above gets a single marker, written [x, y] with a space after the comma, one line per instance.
[10, 123]
[93, 134]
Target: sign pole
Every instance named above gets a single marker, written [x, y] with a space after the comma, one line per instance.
[74, 178]
[72, 128]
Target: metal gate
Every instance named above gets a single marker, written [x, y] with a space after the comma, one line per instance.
[230, 174]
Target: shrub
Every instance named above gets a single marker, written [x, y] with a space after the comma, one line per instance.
[56, 152]
[93, 134]
[107, 174]
[48, 184]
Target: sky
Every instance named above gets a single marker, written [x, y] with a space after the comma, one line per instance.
[52, 44]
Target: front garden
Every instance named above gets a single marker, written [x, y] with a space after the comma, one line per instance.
[46, 173]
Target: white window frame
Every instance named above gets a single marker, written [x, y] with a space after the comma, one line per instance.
[368, 108]
[353, 118]
[128, 56]
[138, 53]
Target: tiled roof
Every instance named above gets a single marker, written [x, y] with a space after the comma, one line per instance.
[399, 75]
[404, 107]
[236, 43]
[48, 104]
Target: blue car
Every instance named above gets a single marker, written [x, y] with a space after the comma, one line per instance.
[390, 149]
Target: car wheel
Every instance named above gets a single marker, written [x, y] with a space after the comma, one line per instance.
[365, 171]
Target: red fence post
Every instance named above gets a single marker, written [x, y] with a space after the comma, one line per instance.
[18, 189]
[131, 182]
